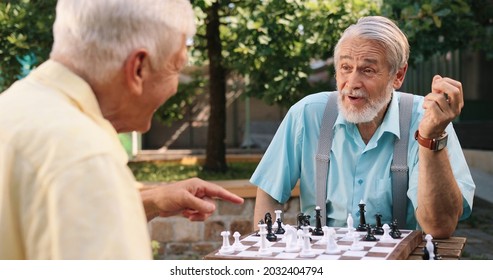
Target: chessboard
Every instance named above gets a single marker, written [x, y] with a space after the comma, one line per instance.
[388, 249]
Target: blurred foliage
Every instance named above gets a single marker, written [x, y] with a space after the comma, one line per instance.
[268, 43]
[440, 26]
[171, 171]
[25, 37]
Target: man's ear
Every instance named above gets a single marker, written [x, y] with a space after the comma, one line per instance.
[399, 77]
[136, 67]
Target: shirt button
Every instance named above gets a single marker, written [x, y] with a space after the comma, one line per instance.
[360, 181]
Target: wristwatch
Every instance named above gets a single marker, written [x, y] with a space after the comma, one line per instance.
[436, 144]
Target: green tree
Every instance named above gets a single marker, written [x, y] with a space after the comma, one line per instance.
[25, 37]
[440, 26]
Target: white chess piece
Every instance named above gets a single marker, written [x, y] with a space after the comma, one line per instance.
[350, 227]
[299, 241]
[325, 237]
[306, 251]
[350, 222]
[290, 237]
[237, 246]
[278, 217]
[264, 249]
[332, 247]
[386, 233]
[226, 248]
[356, 246]
[430, 247]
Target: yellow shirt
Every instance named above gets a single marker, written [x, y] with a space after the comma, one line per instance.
[65, 189]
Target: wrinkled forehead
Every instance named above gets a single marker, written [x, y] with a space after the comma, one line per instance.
[354, 49]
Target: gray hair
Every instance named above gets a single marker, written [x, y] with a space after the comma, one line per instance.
[385, 32]
[98, 35]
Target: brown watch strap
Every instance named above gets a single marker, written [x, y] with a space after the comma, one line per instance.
[432, 144]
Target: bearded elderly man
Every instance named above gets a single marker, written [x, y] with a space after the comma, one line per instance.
[371, 62]
[66, 191]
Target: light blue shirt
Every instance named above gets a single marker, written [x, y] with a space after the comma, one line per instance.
[358, 171]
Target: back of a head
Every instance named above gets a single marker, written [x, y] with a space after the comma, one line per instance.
[98, 35]
[386, 33]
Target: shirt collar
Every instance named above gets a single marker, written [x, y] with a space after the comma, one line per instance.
[79, 92]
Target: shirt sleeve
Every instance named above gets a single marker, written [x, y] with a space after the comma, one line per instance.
[279, 168]
[90, 210]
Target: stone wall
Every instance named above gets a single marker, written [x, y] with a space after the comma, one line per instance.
[179, 238]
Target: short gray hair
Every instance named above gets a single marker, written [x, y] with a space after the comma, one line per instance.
[98, 35]
[385, 32]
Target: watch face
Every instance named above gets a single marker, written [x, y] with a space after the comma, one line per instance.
[442, 143]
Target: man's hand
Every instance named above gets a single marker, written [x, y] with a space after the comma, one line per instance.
[192, 198]
[442, 105]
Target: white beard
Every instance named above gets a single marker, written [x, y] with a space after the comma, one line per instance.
[368, 112]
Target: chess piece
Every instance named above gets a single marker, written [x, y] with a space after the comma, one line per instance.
[278, 217]
[362, 220]
[290, 237]
[435, 251]
[306, 251]
[386, 233]
[237, 246]
[280, 229]
[350, 227]
[318, 223]
[332, 247]
[325, 237]
[378, 227]
[369, 234]
[264, 249]
[356, 246]
[429, 253]
[271, 236]
[395, 232]
[226, 248]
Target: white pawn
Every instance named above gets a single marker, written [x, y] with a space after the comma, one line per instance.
[306, 251]
[332, 247]
[264, 249]
[356, 245]
[386, 233]
[237, 246]
[430, 247]
[226, 248]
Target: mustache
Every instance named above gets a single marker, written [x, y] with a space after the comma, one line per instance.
[354, 93]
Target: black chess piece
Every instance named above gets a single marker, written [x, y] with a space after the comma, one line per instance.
[435, 251]
[279, 229]
[395, 232]
[378, 227]
[362, 221]
[318, 223]
[271, 236]
[426, 254]
[369, 234]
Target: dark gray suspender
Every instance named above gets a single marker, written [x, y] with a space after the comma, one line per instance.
[399, 167]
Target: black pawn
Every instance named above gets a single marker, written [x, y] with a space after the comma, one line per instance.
[369, 234]
[395, 232]
[362, 220]
[318, 223]
[279, 230]
[379, 227]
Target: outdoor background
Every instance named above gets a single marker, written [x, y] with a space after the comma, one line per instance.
[251, 60]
